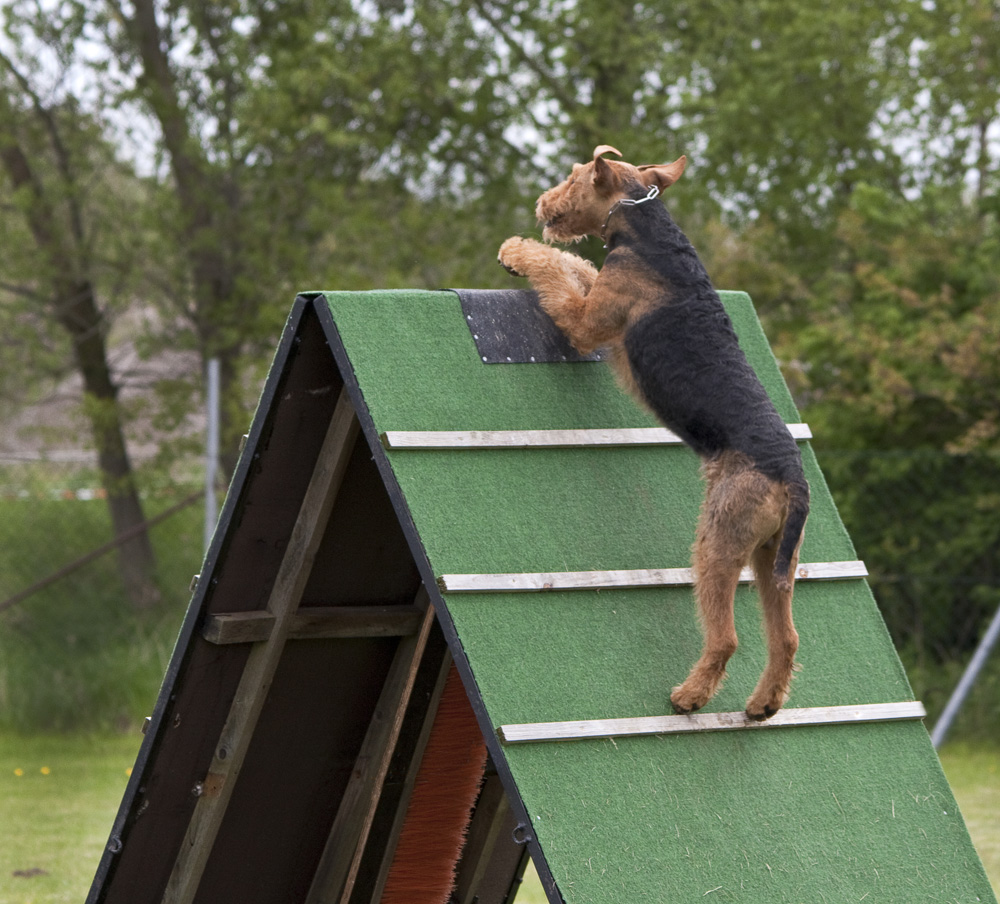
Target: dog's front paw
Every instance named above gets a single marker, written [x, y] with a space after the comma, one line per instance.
[515, 255]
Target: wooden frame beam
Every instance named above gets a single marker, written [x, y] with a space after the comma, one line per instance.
[374, 894]
[315, 623]
[338, 866]
[490, 829]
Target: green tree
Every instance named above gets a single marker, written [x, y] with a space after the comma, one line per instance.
[901, 388]
[958, 80]
[776, 105]
[283, 126]
[52, 159]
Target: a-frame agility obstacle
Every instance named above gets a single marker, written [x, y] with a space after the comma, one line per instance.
[430, 489]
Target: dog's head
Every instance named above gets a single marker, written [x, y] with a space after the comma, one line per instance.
[579, 205]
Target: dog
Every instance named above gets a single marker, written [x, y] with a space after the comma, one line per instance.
[671, 344]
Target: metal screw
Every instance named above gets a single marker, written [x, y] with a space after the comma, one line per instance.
[521, 835]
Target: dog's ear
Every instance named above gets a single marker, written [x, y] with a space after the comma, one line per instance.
[663, 174]
[606, 149]
[603, 174]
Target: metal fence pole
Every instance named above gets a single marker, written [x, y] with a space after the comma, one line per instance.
[211, 448]
[965, 684]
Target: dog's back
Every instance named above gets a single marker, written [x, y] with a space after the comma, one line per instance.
[686, 358]
[688, 365]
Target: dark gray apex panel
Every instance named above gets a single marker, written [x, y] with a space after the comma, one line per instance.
[509, 327]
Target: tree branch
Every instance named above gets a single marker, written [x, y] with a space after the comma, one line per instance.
[63, 162]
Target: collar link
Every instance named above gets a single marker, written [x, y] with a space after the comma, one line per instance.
[627, 202]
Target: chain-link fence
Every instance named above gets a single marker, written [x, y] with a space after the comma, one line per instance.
[73, 652]
[927, 524]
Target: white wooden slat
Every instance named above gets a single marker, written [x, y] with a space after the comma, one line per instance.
[551, 439]
[738, 721]
[606, 580]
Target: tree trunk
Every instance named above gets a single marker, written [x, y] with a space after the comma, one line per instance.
[76, 310]
[79, 315]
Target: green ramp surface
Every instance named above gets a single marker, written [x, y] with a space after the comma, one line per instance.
[839, 813]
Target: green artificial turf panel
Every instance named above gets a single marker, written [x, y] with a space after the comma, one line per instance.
[778, 816]
[843, 813]
[571, 655]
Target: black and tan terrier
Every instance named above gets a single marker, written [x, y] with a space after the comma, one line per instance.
[673, 347]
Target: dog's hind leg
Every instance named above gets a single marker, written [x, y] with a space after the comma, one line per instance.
[715, 589]
[741, 510]
[782, 639]
[718, 557]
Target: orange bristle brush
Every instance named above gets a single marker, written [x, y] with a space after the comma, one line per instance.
[440, 808]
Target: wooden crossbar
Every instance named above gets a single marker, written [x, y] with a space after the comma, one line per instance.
[314, 623]
[739, 721]
[605, 580]
[551, 439]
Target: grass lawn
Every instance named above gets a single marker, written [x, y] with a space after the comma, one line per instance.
[974, 775]
[59, 795]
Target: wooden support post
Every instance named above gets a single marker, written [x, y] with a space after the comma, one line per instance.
[491, 817]
[262, 663]
[337, 871]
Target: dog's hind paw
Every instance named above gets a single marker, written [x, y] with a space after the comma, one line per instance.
[760, 708]
[761, 714]
[684, 702]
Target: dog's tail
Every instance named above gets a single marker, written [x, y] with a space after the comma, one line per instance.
[798, 511]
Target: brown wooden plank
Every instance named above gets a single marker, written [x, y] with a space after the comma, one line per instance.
[315, 623]
[239, 627]
[491, 816]
[293, 573]
[338, 867]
